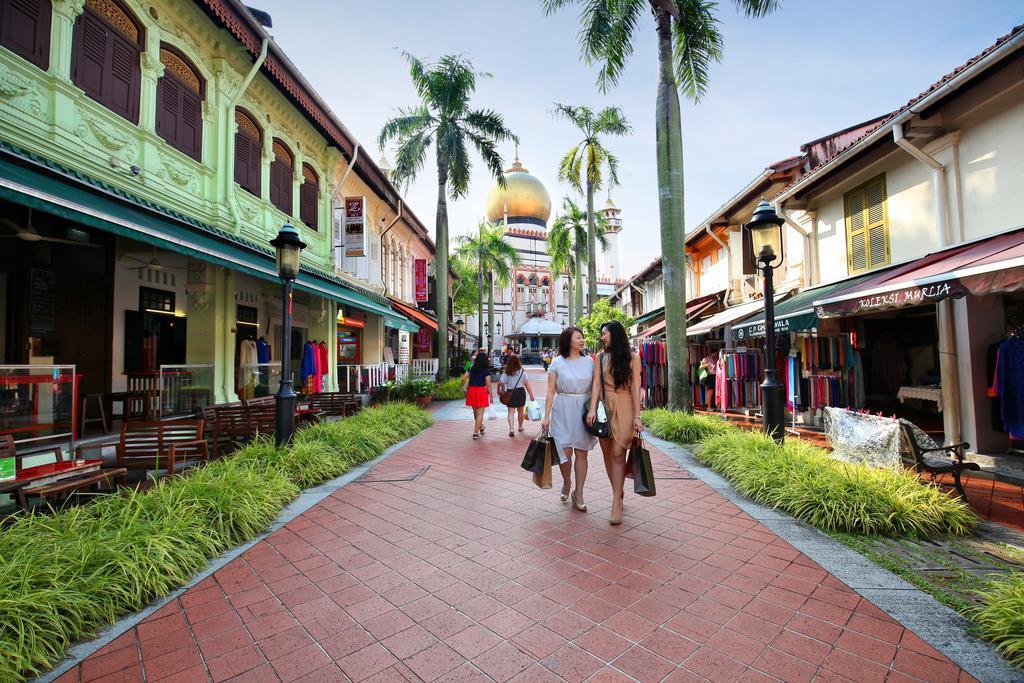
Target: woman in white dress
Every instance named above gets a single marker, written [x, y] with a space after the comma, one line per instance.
[569, 380]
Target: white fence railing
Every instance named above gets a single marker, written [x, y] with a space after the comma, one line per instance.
[360, 378]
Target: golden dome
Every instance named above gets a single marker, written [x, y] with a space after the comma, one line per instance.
[523, 196]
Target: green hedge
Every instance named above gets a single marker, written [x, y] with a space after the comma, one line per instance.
[63, 576]
[683, 427]
[1001, 618]
[804, 481]
[449, 390]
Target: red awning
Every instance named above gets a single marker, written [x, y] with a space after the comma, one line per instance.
[989, 266]
[416, 314]
[695, 308]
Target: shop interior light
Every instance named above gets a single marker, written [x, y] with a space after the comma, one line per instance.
[156, 310]
[242, 322]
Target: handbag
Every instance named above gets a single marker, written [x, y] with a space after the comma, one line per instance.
[638, 466]
[535, 451]
[544, 456]
[506, 396]
[601, 428]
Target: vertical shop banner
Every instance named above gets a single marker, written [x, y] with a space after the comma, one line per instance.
[423, 339]
[403, 347]
[421, 279]
[355, 226]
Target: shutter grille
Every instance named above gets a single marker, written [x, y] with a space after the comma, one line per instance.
[858, 252]
[247, 153]
[307, 204]
[281, 179]
[91, 56]
[191, 136]
[25, 29]
[866, 226]
[106, 66]
[123, 59]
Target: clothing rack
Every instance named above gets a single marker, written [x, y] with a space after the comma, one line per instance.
[653, 374]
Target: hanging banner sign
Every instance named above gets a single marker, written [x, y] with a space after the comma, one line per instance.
[423, 339]
[421, 279]
[355, 226]
[352, 322]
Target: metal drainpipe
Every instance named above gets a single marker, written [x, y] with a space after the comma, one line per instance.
[230, 139]
[808, 248]
[948, 367]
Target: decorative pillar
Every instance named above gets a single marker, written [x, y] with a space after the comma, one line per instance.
[152, 71]
[62, 28]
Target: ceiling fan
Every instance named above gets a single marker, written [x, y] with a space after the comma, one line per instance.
[28, 233]
[153, 263]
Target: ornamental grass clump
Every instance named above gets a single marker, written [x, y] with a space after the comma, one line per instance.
[65, 575]
[684, 427]
[1001, 617]
[804, 481]
[449, 390]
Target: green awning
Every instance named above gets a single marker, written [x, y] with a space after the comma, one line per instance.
[658, 312]
[70, 197]
[796, 313]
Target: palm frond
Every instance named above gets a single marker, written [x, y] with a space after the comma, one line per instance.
[419, 74]
[757, 8]
[489, 123]
[612, 120]
[610, 39]
[612, 162]
[410, 157]
[696, 45]
[569, 168]
[451, 146]
[486, 148]
[409, 121]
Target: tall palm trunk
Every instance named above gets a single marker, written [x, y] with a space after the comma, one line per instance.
[578, 289]
[490, 312]
[441, 272]
[670, 205]
[591, 249]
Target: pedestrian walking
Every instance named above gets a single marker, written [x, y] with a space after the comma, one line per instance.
[478, 390]
[569, 380]
[546, 359]
[706, 378]
[617, 372]
[514, 385]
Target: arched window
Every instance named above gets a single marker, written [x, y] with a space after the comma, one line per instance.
[25, 29]
[282, 173]
[248, 152]
[309, 198]
[394, 266]
[179, 104]
[533, 280]
[520, 280]
[105, 53]
[402, 268]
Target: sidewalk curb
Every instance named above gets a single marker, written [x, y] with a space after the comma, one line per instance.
[305, 500]
[933, 622]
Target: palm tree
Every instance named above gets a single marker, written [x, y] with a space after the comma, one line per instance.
[689, 41]
[590, 151]
[443, 119]
[495, 258]
[568, 238]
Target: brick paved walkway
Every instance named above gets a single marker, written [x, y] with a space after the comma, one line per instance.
[465, 572]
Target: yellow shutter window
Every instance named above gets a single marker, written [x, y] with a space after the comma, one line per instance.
[867, 227]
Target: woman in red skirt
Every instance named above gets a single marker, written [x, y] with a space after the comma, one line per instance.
[478, 393]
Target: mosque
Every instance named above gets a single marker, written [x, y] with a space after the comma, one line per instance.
[531, 310]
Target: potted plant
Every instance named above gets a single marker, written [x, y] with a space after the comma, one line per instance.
[421, 391]
[382, 393]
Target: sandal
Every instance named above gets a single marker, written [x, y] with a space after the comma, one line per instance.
[615, 519]
[511, 433]
[581, 508]
[565, 492]
[475, 436]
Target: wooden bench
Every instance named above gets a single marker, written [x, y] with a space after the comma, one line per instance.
[229, 424]
[62, 487]
[159, 446]
[923, 461]
[335, 403]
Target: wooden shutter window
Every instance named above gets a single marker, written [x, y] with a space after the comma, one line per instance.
[105, 58]
[309, 194]
[25, 29]
[179, 105]
[281, 172]
[867, 226]
[248, 156]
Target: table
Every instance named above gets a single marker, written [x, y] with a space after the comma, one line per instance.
[930, 393]
[40, 475]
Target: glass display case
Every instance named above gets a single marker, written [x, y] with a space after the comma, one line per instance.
[184, 389]
[38, 402]
[259, 379]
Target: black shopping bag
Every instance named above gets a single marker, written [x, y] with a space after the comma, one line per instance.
[638, 462]
[535, 451]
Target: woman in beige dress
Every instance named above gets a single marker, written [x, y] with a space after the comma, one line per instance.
[618, 370]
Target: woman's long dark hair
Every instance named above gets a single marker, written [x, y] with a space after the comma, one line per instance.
[619, 353]
[512, 365]
[565, 340]
[481, 362]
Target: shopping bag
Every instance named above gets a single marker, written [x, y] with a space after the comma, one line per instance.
[492, 414]
[533, 412]
[639, 464]
[543, 478]
[535, 451]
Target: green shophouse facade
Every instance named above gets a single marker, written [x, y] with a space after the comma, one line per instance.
[149, 151]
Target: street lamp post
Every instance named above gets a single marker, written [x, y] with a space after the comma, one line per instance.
[497, 328]
[289, 246]
[765, 233]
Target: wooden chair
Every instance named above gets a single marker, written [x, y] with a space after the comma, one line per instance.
[921, 459]
[160, 447]
[111, 478]
[335, 403]
[262, 401]
[228, 425]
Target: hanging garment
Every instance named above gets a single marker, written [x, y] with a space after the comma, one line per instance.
[307, 366]
[721, 384]
[1010, 384]
[324, 365]
[262, 351]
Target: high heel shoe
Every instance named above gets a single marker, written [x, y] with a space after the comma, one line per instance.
[581, 508]
[565, 492]
[616, 517]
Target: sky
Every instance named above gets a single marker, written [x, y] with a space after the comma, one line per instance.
[811, 68]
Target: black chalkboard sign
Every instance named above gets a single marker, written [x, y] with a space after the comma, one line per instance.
[43, 304]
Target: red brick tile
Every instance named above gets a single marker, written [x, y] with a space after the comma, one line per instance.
[609, 675]
[670, 645]
[629, 626]
[814, 628]
[433, 662]
[572, 663]
[232, 664]
[171, 626]
[785, 666]
[192, 674]
[736, 645]
[424, 608]
[372, 608]
[503, 662]
[568, 624]
[221, 644]
[826, 611]
[602, 643]
[866, 646]
[537, 674]
[409, 642]
[387, 624]
[366, 662]
[507, 622]
[799, 645]
[216, 625]
[480, 607]
[70, 676]
[692, 626]
[885, 630]
[852, 666]
[644, 665]
[925, 667]
[714, 665]
[297, 664]
[280, 644]
[475, 640]
[754, 627]
[104, 663]
[347, 642]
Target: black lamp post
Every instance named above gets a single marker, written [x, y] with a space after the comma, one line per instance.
[765, 239]
[289, 246]
[460, 325]
[497, 328]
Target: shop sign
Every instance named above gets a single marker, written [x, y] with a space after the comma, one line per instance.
[757, 329]
[403, 347]
[7, 468]
[352, 322]
[421, 279]
[423, 339]
[355, 226]
[909, 296]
